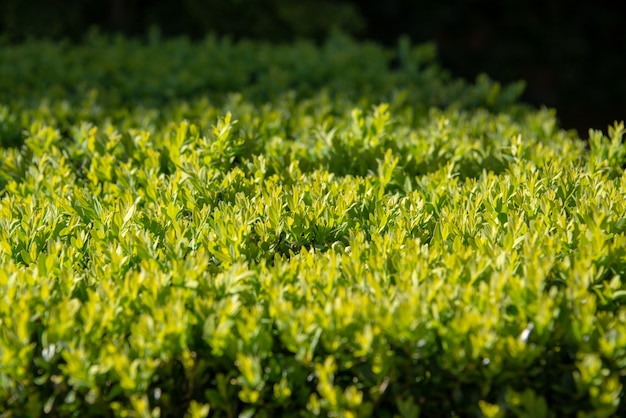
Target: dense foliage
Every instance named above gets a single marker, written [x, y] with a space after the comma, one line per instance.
[249, 230]
[572, 54]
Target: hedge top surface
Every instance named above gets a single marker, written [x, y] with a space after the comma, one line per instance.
[245, 229]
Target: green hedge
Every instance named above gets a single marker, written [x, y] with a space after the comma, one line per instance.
[245, 230]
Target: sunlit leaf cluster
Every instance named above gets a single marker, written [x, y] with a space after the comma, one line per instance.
[236, 229]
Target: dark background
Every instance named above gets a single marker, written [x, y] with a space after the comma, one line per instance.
[571, 54]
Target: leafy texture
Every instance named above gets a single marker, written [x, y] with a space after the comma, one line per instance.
[244, 230]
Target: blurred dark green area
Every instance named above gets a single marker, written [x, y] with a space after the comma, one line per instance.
[572, 55]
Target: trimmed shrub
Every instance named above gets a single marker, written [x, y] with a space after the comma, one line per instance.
[235, 229]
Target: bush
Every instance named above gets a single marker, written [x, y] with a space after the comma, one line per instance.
[237, 229]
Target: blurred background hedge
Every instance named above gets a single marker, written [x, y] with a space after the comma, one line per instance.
[571, 54]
